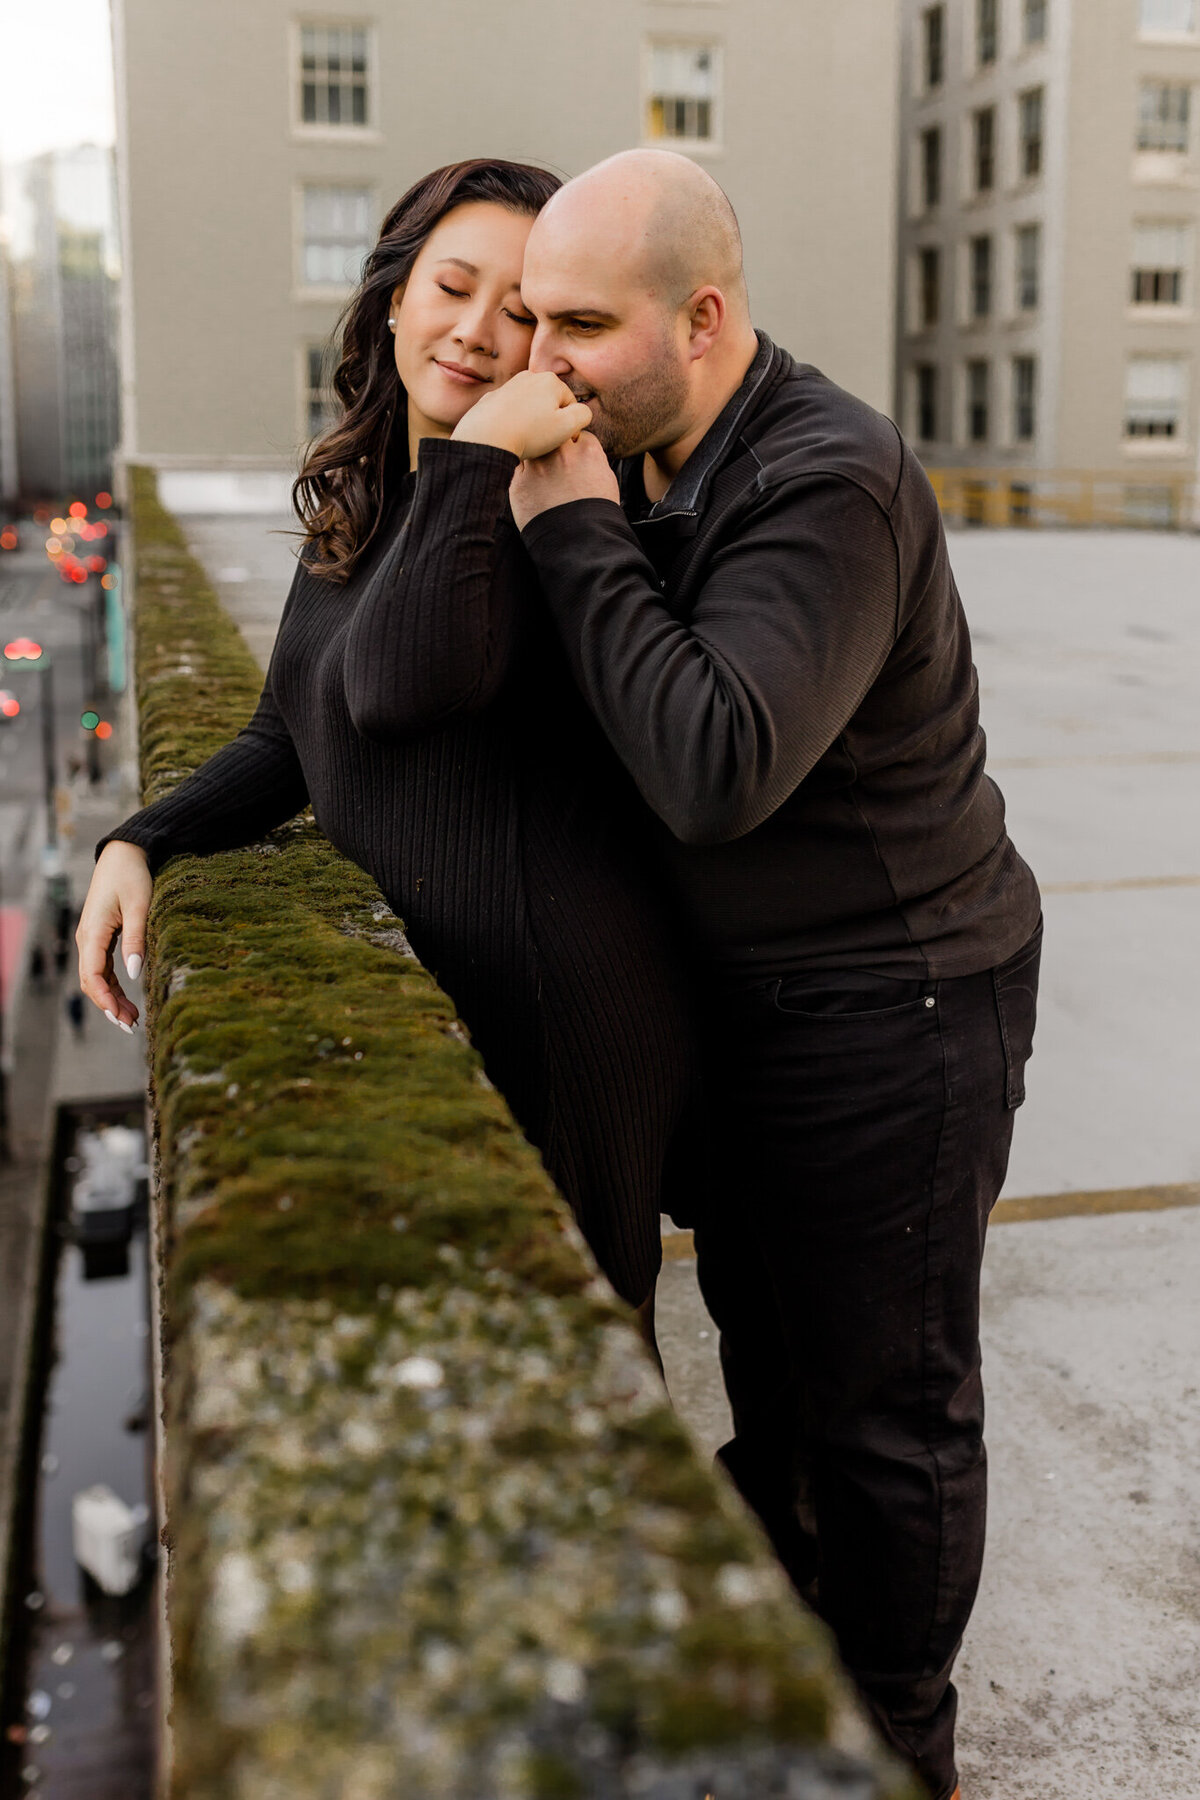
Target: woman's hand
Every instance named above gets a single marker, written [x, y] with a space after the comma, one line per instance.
[118, 901]
[531, 415]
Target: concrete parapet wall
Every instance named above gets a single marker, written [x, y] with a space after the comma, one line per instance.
[434, 1528]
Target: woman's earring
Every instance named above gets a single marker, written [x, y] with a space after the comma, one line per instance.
[391, 324]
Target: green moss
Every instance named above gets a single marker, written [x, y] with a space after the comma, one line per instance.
[435, 1529]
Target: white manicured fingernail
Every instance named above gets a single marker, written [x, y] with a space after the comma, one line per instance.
[111, 1016]
[127, 1029]
[134, 966]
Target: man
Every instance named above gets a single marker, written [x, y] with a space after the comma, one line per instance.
[760, 612]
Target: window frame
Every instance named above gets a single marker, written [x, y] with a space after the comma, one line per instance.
[1021, 400]
[1031, 101]
[368, 133]
[1028, 231]
[933, 47]
[687, 146]
[1030, 10]
[1151, 34]
[978, 115]
[929, 257]
[921, 400]
[1164, 86]
[981, 241]
[324, 290]
[975, 406]
[1179, 272]
[1176, 439]
[305, 391]
[987, 33]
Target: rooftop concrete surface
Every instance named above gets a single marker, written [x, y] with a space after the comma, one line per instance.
[1079, 1677]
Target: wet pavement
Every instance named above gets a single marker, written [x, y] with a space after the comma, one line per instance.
[80, 1713]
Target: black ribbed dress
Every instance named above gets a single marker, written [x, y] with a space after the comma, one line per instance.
[425, 709]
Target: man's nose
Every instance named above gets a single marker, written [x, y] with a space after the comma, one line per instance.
[544, 358]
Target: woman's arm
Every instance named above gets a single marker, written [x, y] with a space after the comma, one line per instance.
[435, 631]
[244, 789]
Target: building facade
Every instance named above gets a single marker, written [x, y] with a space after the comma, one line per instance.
[1049, 210]
[64, 282]
[9, 478]
[259, 147]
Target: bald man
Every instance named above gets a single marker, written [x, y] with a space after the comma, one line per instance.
[758, 606]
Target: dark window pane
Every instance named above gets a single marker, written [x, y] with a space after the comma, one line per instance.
[309, 109]
[333, 102]
[358, 97]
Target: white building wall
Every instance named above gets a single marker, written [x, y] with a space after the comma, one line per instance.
[212, 164]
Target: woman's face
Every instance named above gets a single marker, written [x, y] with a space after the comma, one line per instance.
[460, 326]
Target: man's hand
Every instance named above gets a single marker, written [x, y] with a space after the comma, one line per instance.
[531, 415]
[578, 471]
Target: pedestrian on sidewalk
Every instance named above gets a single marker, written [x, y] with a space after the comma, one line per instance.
[417, 695]
[75, 1013]
[758, 606]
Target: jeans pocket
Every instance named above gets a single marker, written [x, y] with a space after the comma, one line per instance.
[1015, 984]
[847, 995]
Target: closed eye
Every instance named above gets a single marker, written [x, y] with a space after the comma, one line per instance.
[520, 319]
[456, 293]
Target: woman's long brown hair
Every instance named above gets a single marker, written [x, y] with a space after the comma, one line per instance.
[339, 492]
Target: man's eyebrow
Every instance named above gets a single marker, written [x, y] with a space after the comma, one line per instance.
[583, 312]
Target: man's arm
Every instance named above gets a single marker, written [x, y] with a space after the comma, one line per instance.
[719, 720]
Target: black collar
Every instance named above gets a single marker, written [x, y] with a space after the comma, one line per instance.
[689, 490]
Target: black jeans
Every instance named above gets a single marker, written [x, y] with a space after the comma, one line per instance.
[866, 1124]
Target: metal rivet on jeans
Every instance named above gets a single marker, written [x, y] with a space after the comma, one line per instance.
[930, 1001]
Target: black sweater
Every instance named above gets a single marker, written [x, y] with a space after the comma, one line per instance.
[427, 712]
[779, 655]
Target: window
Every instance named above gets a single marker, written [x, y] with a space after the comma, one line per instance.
[1164, 110]
[978, 385]
[934, 20]
[1029, 267]
[681, 103]
[320, 406]
[987, 32]
[981, 277]
[333, 75]
[985, 150]
[930, 267]
[1155, 391]
[931, 167]
[927, 402]
[1031, 108]
[1168, 18]
[1024, 398]
[1034, 21]
[1160, 256]
[337, 235]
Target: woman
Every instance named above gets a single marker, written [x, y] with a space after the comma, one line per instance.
[417, 697]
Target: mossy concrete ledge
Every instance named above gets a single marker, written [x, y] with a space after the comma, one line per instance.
[435, 1532]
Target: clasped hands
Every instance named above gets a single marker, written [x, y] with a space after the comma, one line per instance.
[536, 417]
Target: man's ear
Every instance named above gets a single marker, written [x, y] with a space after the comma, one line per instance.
[706, 311]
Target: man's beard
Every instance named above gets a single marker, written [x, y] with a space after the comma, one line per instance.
[638, 415]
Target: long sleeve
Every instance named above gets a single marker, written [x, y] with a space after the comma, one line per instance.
[243, 791]
[434, 633]
[720, 719]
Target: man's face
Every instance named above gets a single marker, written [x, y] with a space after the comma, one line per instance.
[618, 345]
